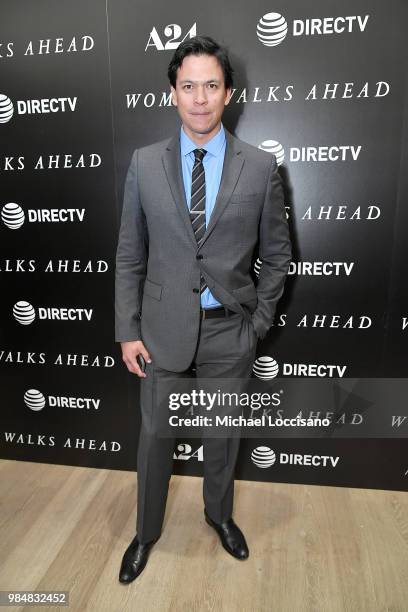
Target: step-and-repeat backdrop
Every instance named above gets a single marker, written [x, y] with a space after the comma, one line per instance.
[322, 85]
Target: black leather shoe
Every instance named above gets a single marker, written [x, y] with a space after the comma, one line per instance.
[134, 560]
[231, 537]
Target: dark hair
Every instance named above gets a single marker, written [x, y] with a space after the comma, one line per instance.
[200, 45]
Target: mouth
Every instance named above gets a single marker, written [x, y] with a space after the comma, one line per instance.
[200, 114]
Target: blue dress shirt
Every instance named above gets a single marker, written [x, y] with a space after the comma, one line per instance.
[213, 162]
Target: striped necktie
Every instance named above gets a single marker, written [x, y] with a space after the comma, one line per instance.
[197, 204]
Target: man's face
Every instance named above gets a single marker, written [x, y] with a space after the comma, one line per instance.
[200, 96]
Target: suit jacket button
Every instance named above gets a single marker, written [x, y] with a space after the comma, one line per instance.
[195, 290]
[199, 256]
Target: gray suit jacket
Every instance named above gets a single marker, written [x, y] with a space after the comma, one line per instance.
[158, 262]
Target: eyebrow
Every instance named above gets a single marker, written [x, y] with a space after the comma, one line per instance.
[191, 81]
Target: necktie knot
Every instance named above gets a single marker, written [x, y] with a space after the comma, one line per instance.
[199, 154]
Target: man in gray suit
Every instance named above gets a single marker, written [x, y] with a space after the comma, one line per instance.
[196, 206]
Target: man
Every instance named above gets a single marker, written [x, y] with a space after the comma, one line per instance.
[195, 208]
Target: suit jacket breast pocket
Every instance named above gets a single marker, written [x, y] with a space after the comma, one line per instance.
[242, 216]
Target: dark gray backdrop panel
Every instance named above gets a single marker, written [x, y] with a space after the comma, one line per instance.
[88, 367]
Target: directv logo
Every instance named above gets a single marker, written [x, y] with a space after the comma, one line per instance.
[31, 107]
[318, 153]
[35, 400]
[267, 368]
[13, 215]
[264, 457]
[272, 28]
[24, 313]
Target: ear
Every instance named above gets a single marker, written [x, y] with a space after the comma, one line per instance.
[229, 94]
[173, 95]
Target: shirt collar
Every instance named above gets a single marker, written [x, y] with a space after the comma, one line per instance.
[213, 146]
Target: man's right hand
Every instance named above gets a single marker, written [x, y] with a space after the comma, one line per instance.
[130, 351]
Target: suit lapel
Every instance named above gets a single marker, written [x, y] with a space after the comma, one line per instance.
[233, 163]
[172, 166]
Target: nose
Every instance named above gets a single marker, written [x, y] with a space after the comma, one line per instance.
[201, 95]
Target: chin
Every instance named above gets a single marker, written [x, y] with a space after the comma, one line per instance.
[200, 129]
[204, 130]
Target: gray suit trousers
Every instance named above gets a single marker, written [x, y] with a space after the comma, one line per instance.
[226, 348]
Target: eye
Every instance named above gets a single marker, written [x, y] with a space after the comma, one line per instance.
[187, 86]
[213, 85]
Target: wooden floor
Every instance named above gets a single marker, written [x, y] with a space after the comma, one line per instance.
[311, 548]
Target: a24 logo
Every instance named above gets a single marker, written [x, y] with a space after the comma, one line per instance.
[173, 32]
[184, 452]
